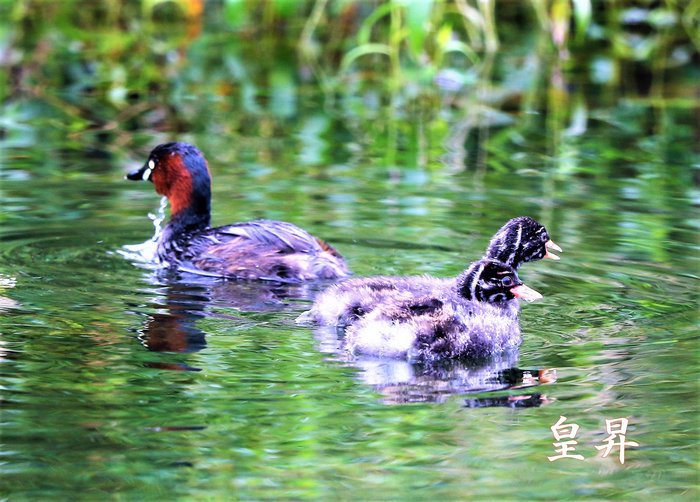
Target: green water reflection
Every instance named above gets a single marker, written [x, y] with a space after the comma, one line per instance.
[123, 383]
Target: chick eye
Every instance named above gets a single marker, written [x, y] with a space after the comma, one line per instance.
[507, 281]
[544, 237]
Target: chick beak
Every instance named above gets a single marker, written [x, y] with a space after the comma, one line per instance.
[525, 292]
[550, 245]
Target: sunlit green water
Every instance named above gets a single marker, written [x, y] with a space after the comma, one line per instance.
[121, 383]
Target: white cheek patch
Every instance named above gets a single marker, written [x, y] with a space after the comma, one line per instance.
[147, 173]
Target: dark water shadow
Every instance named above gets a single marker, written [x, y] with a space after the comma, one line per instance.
[495, 381]
[181, 301]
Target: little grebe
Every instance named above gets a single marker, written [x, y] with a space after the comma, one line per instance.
[428, 318]
[255, 250]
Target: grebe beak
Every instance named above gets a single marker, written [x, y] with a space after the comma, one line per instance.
[141, 173]
[526, 293]
[550, 245]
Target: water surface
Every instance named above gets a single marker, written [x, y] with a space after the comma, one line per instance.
[122, 382]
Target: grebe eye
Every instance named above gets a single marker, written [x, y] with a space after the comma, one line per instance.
[544, 237]
[507, 281]
[151, 164]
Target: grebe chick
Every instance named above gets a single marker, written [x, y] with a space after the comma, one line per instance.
[520, 240]
[476, 315]
[254, 250]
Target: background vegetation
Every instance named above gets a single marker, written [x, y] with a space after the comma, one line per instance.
[398, 77]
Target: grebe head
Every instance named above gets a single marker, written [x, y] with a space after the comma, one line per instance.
[493, 282]
[520, 240]
[180, 172]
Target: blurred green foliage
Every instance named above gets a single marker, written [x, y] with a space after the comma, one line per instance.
[402, 74]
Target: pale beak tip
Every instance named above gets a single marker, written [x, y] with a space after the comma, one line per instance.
[550, 244]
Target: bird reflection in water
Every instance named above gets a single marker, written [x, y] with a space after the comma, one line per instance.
[184, 303]
[496, 381]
